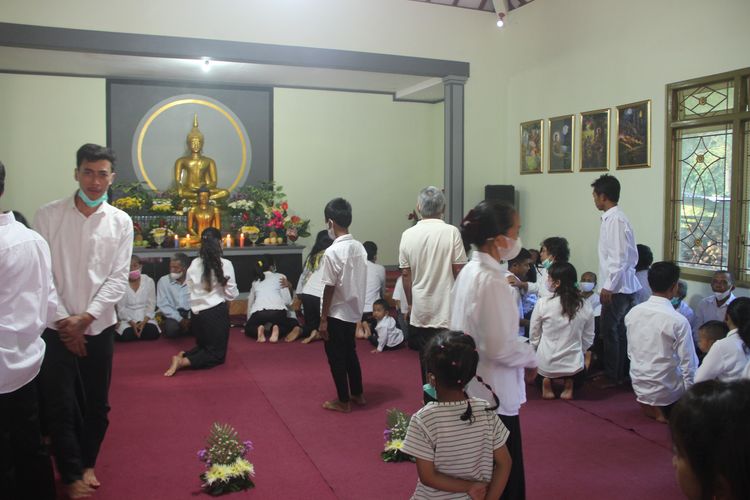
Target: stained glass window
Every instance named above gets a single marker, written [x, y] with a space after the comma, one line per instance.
[705, 100]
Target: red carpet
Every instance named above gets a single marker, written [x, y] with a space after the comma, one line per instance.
[596, 447]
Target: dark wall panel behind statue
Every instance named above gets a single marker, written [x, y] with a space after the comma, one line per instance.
[237, 123]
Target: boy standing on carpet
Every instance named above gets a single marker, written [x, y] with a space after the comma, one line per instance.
[345, 279]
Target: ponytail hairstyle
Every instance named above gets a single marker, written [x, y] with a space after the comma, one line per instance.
[260, 266]
[739, 312]
[210, 254]
[322, 241]
[452, 358]
[570, 296]
[486, 221]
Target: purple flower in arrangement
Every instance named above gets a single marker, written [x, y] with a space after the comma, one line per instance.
[203, 455]
[248, 446]
[387, 434]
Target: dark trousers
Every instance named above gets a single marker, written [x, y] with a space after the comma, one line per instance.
[173, 329]
[419, 337]
[75, 400]
[149, 332]
[311, 310]
[516, 487]
[276, 317]
[614, 337]
[341, 350]
[211, 329]
[25, 467]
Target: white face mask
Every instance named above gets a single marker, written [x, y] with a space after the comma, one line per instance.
[175, 276]
[722, 295]
[511, 252]
[586, 286]
[331, 232]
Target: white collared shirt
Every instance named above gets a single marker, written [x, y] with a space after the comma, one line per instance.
[136, 305]
[399, 295]
[559, 341]
[430, 249]
[661, 351]
[90, 259]
[375, 284]
[483, 307]
[595, 301]
[644, 293]
[172, 295]
[27, 302]
[202, 299]
[389, 335]
[707, 310]
[345, 269]
[268, 295]
[518, 300]
[725, 361]
[686, 311]
[618, 254]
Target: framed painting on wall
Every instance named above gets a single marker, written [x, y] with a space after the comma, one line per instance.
[561, 144]
[532, 146]
[634, 135]
[595, 140]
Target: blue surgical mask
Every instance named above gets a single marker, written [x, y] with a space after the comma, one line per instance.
[88, 201]
[547, 263]
[675, 301]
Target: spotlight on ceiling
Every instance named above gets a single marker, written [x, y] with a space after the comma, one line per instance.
[206, 64]
[500, 19]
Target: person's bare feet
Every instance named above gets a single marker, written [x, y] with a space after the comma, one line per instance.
[336, 405]
[78, 489]
[313, 336]
[567, 392]
[274, 334]
[261, 333]
[359, 400]
[547, 392]
[178, 362]
[293, 335]
[90, 478]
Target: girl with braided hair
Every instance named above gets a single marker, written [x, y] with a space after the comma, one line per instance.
[458, 441]
[482, 305]
[210, 280]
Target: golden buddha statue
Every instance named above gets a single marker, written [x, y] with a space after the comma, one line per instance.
[202, 215]
[192, 172]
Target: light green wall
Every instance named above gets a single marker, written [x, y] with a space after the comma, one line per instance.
[375, 153]
[45, 119]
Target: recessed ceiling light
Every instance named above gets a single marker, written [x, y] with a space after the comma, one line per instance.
[206, 64]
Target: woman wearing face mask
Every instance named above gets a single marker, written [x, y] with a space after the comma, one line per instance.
[483, 307]
[136, 309]
[562, 329]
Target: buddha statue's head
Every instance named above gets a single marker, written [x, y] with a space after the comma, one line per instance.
[195, 137]
[204, 195]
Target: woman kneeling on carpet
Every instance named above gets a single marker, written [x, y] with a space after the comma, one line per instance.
[210, 280]
[267, 303]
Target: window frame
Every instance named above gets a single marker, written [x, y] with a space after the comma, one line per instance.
[740, 172]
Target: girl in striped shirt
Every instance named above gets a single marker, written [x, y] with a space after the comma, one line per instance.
[458, 442]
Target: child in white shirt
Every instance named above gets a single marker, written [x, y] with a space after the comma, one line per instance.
[387, 336]
[729, 356]
[518, 268]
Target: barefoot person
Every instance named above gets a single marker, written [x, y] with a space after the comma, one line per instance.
[90, 242]
[344, 277]
[211, 282]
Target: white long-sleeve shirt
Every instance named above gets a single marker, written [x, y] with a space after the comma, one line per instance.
[726, 360]
[661, 351]
[559, 341]
[595, 301]
[618, 254]
[375, 284]
[268, 295]
[202, 299]
[389, 335]
[518, 301]
[482, 306]
[136, 305]
[644, 293]
[708, 310]
[90, 259]
[28, 302]
[399, 295]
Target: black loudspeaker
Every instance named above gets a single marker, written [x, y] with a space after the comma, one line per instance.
[501, 192]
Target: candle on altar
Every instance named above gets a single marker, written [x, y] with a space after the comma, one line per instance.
[242, 240]
[229, 241]
[176, 241]
[187, 240]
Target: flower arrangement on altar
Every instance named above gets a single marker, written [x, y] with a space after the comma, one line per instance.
[227, 468]
[396, 424]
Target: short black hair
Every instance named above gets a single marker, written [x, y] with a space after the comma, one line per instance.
[95, 152]
[382, 303]
[645, 257]
[339, 211]
[727, 272]
[557, 247]
[2, 178]
[522, 256]
[182, 258]
[714, 329]
[663, 275]
[371, 248]
[609, 186]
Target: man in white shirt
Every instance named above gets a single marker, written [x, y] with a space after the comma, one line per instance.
[173, 297]
[91, 243]
[27, 303]
[345, 280]
[430, 255]
[660, 346]
[714, 307]
[617, 259]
